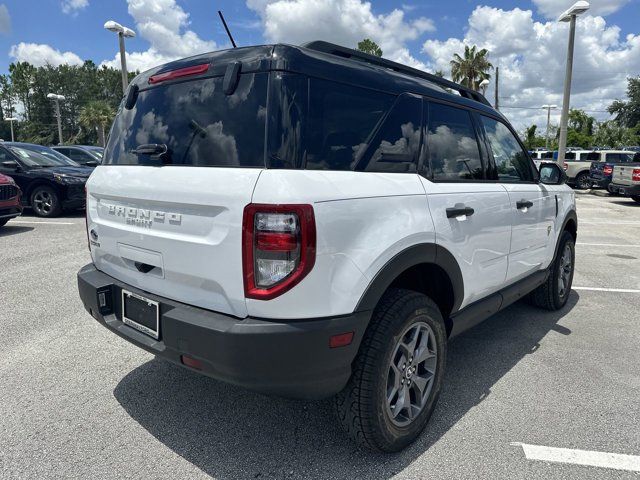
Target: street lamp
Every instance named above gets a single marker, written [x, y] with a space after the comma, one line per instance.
[122, 33]
[483, 85]
[11, 120]
[58, 99]
[548, 108]
[570, 15]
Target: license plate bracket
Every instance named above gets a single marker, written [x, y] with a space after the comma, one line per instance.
[141, 313]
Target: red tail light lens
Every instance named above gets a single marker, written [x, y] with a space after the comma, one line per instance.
[607, 170]
[278, 248]
[564, 165]
[179, 73]
[635, 175]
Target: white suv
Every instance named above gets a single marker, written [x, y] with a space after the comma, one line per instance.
[313, 221]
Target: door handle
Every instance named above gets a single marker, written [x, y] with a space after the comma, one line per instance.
[459, 212]
[524, 204]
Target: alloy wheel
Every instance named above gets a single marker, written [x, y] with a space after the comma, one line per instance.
[411, 373]
[43, 202]
[566, 268]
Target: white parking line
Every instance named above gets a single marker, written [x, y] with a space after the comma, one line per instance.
[26, 222]
[617, 245]
[587, 458]
[598, 289]
[587, 222]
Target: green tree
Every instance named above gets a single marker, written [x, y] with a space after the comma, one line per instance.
[369, 46]
[628, 113]
[581, 122]
[471, 69]
[611, 134]
[530, 137]
[97, 115]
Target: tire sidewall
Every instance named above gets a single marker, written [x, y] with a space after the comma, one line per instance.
[393, 436]
[579, 180]
[557, 299]
[55, 209]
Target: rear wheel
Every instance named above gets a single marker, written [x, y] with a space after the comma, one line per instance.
[45, 202]
[554, 292]
[635, 198]
[583, 181]
[397, 374]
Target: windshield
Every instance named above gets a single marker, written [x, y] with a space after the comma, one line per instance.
[193, 123]
[35, 159]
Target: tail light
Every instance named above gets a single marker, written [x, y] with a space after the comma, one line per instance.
[179, 73]
[564, 165]
[635, 175]
[278, 248]
[607, 170]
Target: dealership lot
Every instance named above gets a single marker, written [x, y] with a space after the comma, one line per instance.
[77, 401]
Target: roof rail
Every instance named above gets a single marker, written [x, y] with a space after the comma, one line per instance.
[330, 48]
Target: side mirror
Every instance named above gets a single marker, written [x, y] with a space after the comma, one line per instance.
[10, 164]
[552, 174]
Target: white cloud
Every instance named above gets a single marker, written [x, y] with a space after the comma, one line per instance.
[5, 20]
[71, 7]
[532, 57]
[40, 54]
[163, 24]
[553, 8]
[345, 22]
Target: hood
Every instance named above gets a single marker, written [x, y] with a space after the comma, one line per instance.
[73, 171]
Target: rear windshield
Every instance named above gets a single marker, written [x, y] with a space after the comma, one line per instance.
[196, 123]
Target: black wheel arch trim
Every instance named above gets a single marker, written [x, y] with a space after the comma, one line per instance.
[43, 183]
[423, 253]
[572, 216]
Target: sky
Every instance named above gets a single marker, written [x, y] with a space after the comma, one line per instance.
[523, 38]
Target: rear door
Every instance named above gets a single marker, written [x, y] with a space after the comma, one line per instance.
[532, 206]
[165, 208]
[471, 216]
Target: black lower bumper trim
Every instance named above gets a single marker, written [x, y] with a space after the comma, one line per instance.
[290, 358]
[629, 190]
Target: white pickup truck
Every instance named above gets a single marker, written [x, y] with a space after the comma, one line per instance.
[626, 181]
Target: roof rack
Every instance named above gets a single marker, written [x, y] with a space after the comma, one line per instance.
[330, 48]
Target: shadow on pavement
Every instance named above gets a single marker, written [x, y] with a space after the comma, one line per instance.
[10, 229]
[229, 432]
[628, 203]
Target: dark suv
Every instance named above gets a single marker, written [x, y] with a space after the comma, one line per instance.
[49, 185]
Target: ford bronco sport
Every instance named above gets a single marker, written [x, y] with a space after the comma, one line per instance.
[313, 222]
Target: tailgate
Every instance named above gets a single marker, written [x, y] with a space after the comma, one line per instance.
[172, 231]
[623, 174]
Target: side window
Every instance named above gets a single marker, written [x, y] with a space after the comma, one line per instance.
[511, 161]
[79, 156]
[614, 157]
[63, 151]
[592, 157]
[452, 144]
[341, 119]
[396, 146]
[570, 156]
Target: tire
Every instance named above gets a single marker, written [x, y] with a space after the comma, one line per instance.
[45, 202]
[635, 198]
[550, 295]
[362, 406]
[583, 181]
[3, 222]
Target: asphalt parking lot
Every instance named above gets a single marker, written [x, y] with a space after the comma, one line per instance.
[78, 402]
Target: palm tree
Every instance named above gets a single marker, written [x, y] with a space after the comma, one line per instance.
[98, 115]
[472, 69]
[369, 46]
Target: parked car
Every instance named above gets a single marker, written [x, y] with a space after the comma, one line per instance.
[540, 156]
[10, 206]
[601, 171]
[576, 166]
[42, 150]
[315, 221]
[626, 180]
[49, 185]
[82, 154]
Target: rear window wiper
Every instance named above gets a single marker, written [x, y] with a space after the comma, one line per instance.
[156, 151]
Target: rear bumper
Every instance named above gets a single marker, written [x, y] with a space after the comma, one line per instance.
[291, 358]
[626, 190]
[600, 181]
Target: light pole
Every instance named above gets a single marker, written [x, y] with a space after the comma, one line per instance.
[11, 120]
[483, 85]
[568, 16]
[122, 33]
[58, 99]
[548, 108]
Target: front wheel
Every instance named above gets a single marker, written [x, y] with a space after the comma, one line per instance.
[397, 374]
[45, 202]
[583, 181]
[554, 292]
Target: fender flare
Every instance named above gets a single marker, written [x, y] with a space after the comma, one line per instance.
[429, 253]
[571, 216]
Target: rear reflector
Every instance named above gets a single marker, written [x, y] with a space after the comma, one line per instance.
[179, 73]
[607, 170]
[341, 340]
[191, 362]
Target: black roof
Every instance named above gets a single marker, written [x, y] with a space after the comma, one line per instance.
[347, 66]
